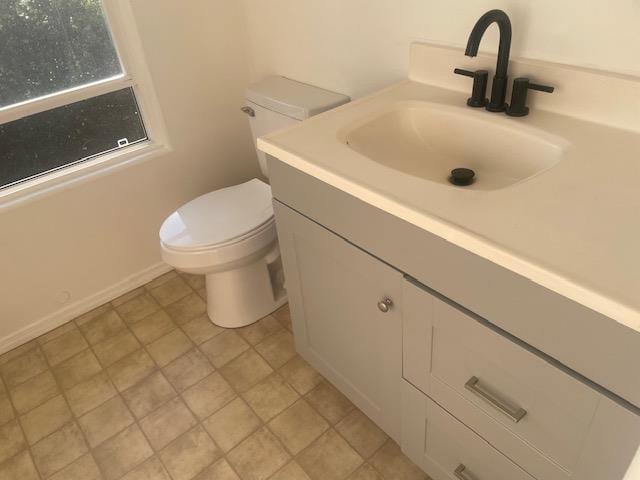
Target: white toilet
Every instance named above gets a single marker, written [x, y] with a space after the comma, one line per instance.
[229, 235]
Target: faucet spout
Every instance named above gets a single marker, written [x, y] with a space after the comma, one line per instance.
[499, 88]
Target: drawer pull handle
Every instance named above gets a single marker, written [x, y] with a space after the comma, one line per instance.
[463, 474]
[514, 413]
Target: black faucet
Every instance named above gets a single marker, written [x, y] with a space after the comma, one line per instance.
[500, 79]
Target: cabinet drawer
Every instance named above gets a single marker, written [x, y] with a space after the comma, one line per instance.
[494, 384]
[448, 450]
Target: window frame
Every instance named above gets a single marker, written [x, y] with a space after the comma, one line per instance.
[124, 33]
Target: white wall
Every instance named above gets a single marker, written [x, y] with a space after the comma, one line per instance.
[91, 238]
[357, 46]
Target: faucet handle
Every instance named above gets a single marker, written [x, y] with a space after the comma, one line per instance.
[479, 93]
[521, 86]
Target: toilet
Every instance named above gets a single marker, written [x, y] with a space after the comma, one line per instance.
[229, 235]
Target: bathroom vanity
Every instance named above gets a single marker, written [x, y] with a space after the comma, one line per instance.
[492, 330]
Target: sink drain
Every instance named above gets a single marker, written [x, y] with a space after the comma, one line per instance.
[462, 176]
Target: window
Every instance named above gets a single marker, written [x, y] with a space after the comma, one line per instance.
[66, 95]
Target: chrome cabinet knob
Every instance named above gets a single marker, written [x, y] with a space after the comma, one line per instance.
[249, 111]
[385, 305]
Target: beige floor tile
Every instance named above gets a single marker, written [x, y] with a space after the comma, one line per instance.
[201, 329]
[102, 327]
[195, 281]
[122, 453]
[363, 435]
[45, 419]
[232, 424]
[187, 308]
[137, 308]
[59, 449]
[20, 467]
[298, 426]
[170, 291]
[34, 392]
[329, 458]
[90, 315]
[329, 402]
[164, 278]
[153, 327]
[167, 422]
[105, 421]
[17, 352]
[90, 393]
[259, 456]
[152, 469]
[114, 348]
[223, 348]
[84, 468]
[221, 470]
[76, 369]
[190, 454]
[56, 332]
[188, 370]
[283, 315]
[270, 397]
[203, 293]
[246, 370]
[277, 349]
[208, 395]
[257, 332]
[366, 472]
[21, 368]
[392, 463]
[11, 440]
[122, 299]
[6, 409]
[65, 346]
[291, 471]
[300, 375]
[169, 347]
[133, 368]
[149, 394]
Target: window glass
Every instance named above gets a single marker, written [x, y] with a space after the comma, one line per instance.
[51, 45]
[49, 140]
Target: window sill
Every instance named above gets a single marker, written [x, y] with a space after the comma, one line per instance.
[66, 178]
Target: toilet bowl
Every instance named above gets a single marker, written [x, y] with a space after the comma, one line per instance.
[229, 235]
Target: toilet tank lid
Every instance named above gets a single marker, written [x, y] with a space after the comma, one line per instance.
[293, 99]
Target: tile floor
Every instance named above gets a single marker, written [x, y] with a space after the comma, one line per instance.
[147, 388]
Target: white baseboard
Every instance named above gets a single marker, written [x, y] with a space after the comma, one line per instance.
[75, 309]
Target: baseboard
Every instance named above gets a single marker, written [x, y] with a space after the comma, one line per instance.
[75, 309]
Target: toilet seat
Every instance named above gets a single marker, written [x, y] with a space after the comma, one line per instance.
[219, 218]
[221, 229]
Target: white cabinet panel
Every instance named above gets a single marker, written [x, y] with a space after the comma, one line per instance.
[562, 424]
[445, 448]
[334, 290]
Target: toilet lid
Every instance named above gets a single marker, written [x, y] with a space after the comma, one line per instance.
[219, 217]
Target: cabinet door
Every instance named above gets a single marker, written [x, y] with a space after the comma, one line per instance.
[334, 293]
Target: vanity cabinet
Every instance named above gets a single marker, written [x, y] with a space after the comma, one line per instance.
[347, 308]
[471, 383]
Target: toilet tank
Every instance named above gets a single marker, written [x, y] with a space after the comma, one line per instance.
[277, 102]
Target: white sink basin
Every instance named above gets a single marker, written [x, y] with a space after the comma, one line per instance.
[428, 140]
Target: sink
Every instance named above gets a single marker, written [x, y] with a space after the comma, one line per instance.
[428, 140]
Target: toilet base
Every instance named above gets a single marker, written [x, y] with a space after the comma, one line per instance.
[242, 296]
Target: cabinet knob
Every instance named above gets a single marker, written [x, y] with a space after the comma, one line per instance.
[385, 305]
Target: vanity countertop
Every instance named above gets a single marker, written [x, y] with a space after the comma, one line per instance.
[574, 228]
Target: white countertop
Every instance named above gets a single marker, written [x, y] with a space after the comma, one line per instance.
[574, 229]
